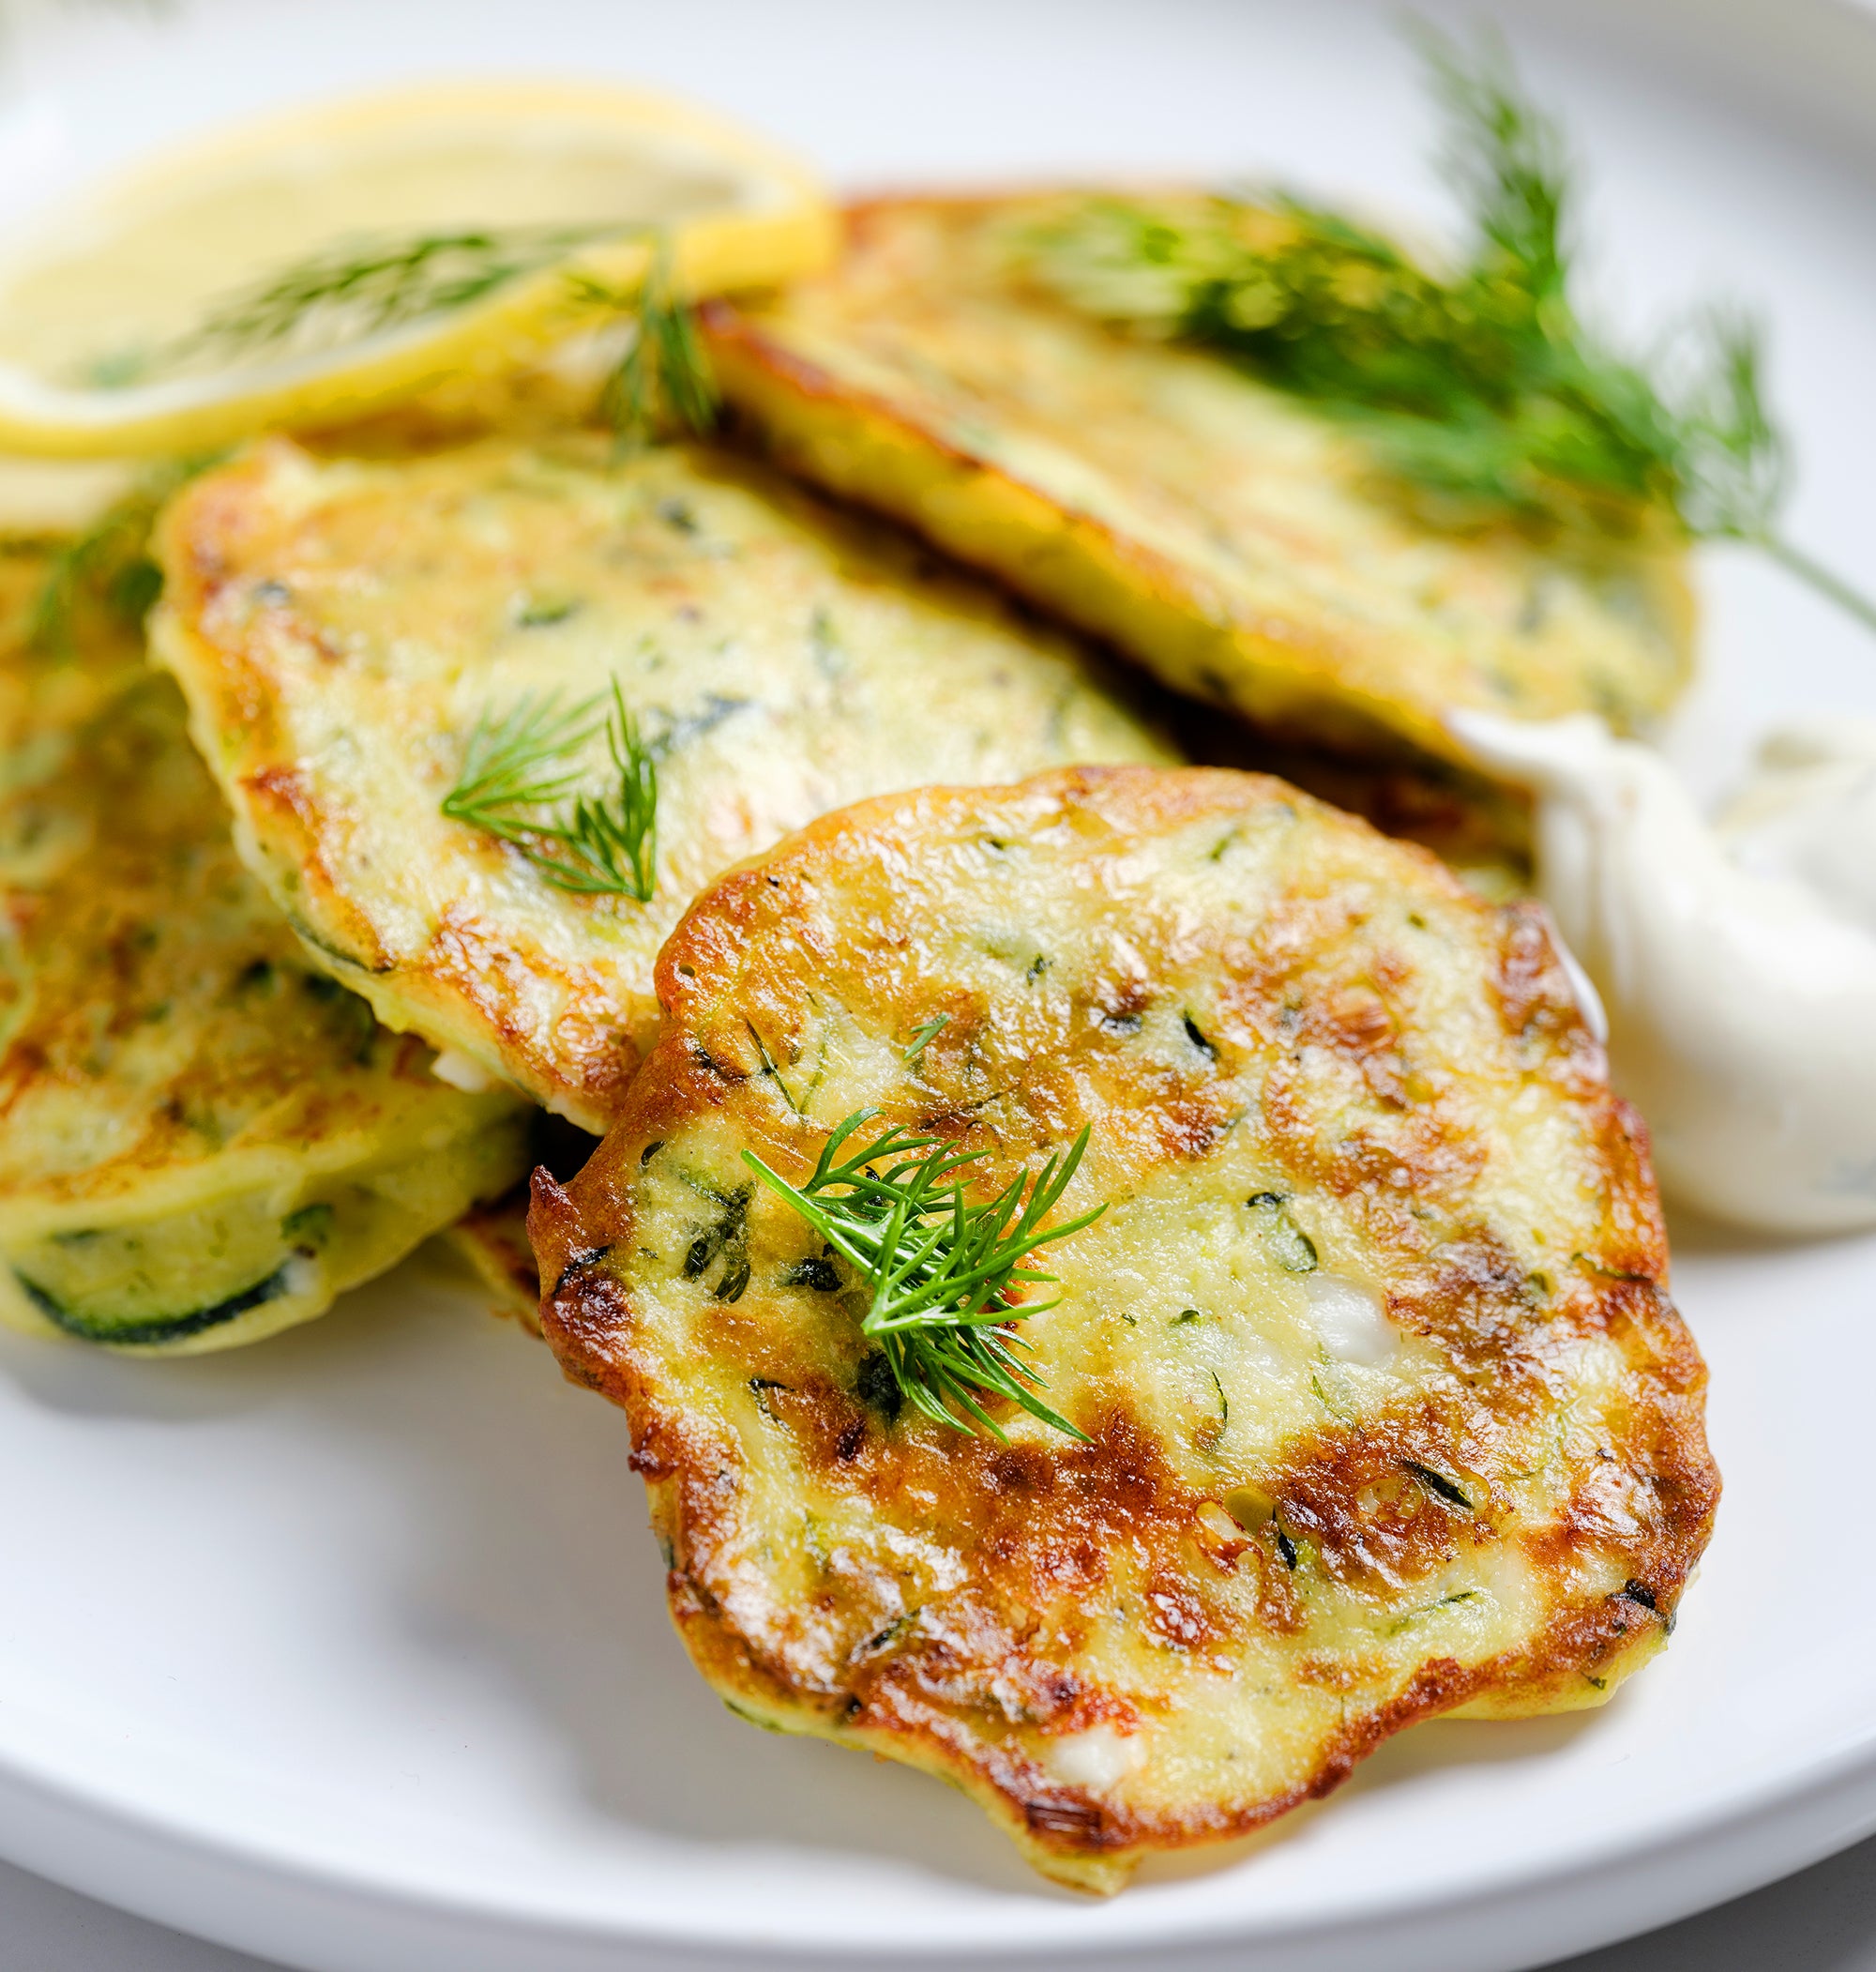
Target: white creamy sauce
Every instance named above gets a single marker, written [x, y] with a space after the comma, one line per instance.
[1350, 1318]
[1096, 1759]
[1738, 965]
[1808, 814]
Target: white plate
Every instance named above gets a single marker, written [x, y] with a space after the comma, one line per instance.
[351, 1649]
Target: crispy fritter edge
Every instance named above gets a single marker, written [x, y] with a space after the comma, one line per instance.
[1067, 1834]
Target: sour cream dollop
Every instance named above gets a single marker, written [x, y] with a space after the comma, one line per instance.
[1808, 814]
[1738, 966]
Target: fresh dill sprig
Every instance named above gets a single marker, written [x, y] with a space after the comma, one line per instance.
[942, 1271]
[357, 288]
[518, 771]
[369, 286]
[109, 561]
[1479, 388]
[663, 381]
[661, 384]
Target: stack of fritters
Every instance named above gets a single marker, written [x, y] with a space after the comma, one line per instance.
[210, 1132]
[206, 1139]
[1375, 1403]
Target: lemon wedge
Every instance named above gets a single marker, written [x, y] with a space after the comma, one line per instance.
[319, 266]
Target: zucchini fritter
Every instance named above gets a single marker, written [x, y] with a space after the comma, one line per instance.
[1221, 533]
[204, 1139]
[1387, 1411]
[339, 628]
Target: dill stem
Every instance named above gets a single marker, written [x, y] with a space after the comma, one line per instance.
[1814, 575]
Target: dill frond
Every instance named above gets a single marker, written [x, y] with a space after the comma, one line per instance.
[1479, 388]
[369, 286]
[663, 383]
[519, 771]
[942, 1271]
[357, 288]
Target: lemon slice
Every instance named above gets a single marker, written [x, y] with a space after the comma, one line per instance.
[434, 230]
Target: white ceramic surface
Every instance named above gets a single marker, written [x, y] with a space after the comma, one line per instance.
[350, 1650]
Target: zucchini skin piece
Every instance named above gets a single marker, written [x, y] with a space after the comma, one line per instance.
[159, 1328]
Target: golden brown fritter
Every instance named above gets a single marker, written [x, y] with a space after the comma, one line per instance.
[1218, 531]
[1387, 1410]
[202, 1139]
[341, 627]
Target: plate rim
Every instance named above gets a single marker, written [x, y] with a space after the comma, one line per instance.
[1434, 1931]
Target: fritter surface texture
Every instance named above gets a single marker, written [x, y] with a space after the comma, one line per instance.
[1388, 1412]
[1218, 531]
[202, 1139]
[339, 628]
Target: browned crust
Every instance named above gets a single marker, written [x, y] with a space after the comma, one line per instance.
[1052, 1518]
[287, 824]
